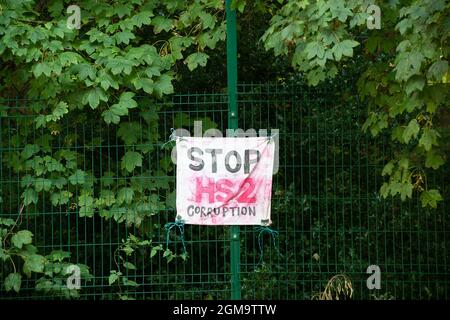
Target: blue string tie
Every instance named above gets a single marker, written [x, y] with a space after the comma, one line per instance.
[273, 235]
[177, 224]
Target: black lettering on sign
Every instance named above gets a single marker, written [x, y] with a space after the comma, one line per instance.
[238, 161]
[249, 161]
[214, 158]
[251, 157]
[199, 160]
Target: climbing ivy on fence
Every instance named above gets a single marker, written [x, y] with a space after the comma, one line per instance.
[90, 75]
[404, 77]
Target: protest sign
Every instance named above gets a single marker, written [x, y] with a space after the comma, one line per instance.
[224, 181]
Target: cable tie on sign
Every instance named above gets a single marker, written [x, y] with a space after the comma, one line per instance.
[172, 138]
[273, 234]
[177, 224]
[270, 138]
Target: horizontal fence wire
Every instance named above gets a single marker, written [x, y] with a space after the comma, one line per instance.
[325, 202]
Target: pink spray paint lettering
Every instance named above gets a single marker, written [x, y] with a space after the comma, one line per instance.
[225, 189]
[224, 181]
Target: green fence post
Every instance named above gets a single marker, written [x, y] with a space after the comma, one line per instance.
[233, 124]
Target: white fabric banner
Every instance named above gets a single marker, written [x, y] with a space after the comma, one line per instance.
[224, 181]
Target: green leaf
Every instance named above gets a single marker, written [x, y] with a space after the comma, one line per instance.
[413, 84]
[114, 276]
[128, 282]
[67, 58]
[60, 110]
[207, 19]
[33, 263]
[125, 195]
[143, 83]
[127, 98]
[124, 37]
[131, 160]
[42, 68]
[196, 59]
[22, 237]
[412, 130]
[79, 177]
[107, 197]
[42, 184]
[120, 65]
[84, 71]
[6, 222]
[404, 25]
[126, 102]
[315, 76]
[387, 170]
[161, 23]
[344, 48]
[130, 132]
[430, 198]
[403, 163]
[397, 134]
[44, 285]
[406, 190]
[314, 49]
[129, 265]
[110, 117]
[155, 251]
[28, 250]
[58, 255]
[93, 97]
[36, 34]
[60, 198]
[107, 179]
[3, 253]
[168, 254]
[142, 18]
[40, 121]
[384, 190]
[128, 250]
[408, 64]
[123, 9]
[85, 200]
[29, 150]
[433, 160]
[163, 85]
[60, 182]
[239, 5]
[428, 139]
[30, 196]
[106, 80]
[184, 256]
[53, 165]
[86, 211]
[438, 70]
[13, 281]
[339, 10]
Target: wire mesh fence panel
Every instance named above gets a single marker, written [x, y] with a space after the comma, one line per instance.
[326, 206]
[103, 193]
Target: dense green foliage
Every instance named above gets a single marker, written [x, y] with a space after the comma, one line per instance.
[404, 79]
[85, 116]
[123, 49]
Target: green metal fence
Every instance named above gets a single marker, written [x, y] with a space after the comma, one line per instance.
[325, 206]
